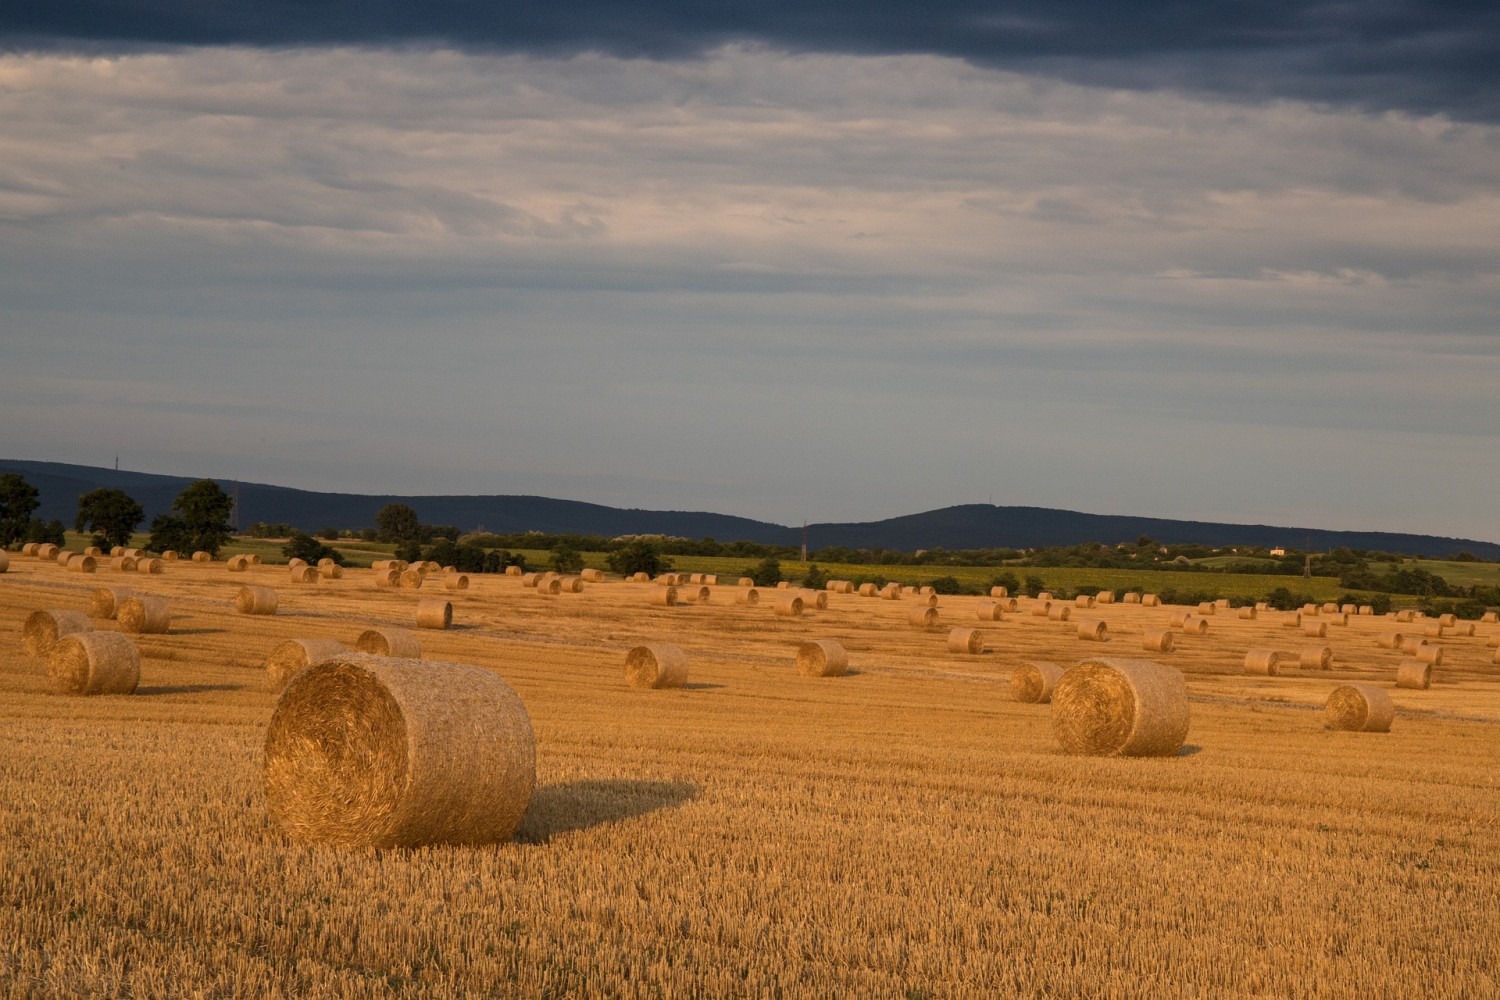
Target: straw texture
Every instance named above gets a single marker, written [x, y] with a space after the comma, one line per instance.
[1360, 708]
[144, 613]
[85, 663]
[656, 665]
[1158, 640]
[822, 658]
[1093, 630]
[366, 751]
[106, 601]
[292, 656]
[1033, 681]
[434, 614]
[1315, 658]
[42, 629]
[1129, 708]
[966, 640]
[1414, 674]
[255, 601]
[393, 642]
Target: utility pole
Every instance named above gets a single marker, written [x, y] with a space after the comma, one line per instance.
[804, 540]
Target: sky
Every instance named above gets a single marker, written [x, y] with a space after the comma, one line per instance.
[796, 262]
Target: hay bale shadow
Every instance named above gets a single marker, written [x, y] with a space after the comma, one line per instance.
[1188, 750]
[700, 686]
[187, 688]
[582, 805]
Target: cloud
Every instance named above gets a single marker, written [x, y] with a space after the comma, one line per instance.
[831, 286]
[1418, 57]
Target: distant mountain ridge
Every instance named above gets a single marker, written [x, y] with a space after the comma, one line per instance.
[968, 526]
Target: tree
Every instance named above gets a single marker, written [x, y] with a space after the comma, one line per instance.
[205, 508]
[767, 574]
[38, 530]
[396, 522]
[640, 555]
[814, 578]
[169, 534]
[566, 559]
[303, 546]
[18, 499]
[110, 514]
[408, 551]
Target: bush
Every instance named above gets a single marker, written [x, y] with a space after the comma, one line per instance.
[946, 585]
[1034, 585]
[814, 577]
[639, 555]
[303, 546]
[767, 573]
[408, 551]
[1006, 580]
[566, 559]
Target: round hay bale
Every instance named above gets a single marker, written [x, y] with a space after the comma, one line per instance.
[144, 614]
[746, 581]
[747, 596]
[1315, 657]
[1348, 609]
[95, 551]
[116, 550]
[1132, 597]
[107, 600]
[1411, 643]
[304, 574]
[149, 566]
[368, 751]
[694, 592]
[383, 564]
[988, 611]
[434, 614]
[83, 564]
[1247, 614]
[396, 642]
[1059, 613]
[1158, 640]
[291, 656]
[1315, 629]
[123, 564]
[1310, 610]
[1414, 674]
[1366, 610]
[788, 605]
[1195, 626]
[1337, 619]
[1009, 605]
[1105, 597]
[85, 663]
[1129, 708]
[656, 665]
[1389, 640]
[1292, 619]
[47, 551]
[1041, 609]
[29, 549]
[696, 579]
[926, 590]
[589, 575]
[514, 571]
[1093, 630]
[1180, 618]
[822, 658]
[1263, 662]
[456, 581]
[1222, 604]
[842, 587]
[1404, 616]
[1448, 619]
[255, 601]
[574, 585]
[136, 553]
[1150, 601]
[923, 617]
[42, 629]
[817, 600]
[238, 564]
[1329, 608]
[333, 571]
[411, 579]
[1434, 630]
[891, 592]
[641, 578]
[1044, 595]
[202, 557]
[1430, 652]
[1206, 608]
[63, 555]
[711, 579]
[1490, 617]
[929, 600]
[868, 590]
[999, 591]
[1261, 607]
[296, 562]
[1360, 708]
[1033, 681]
[1464, 629]
[388, 577]
[966, 640]
[664, 596]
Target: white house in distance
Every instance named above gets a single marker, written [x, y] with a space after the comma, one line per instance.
[1278, 551]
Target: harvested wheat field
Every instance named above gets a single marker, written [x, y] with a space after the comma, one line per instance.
[907, 829]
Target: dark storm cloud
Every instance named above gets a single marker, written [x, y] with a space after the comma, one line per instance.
[1405, 55]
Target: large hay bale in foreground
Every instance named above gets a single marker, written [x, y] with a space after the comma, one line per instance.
[84, 663]
[255, 601]
[144, 614]
[1414, 674]
[395, 642]
[1033, 681]
[434, 614]
[42, 629]
[1128, 708]
[966, 640]
[822, 658]
[366, 751]
[107, 600]
[656, 665]
[1360, 708]
[290, 657]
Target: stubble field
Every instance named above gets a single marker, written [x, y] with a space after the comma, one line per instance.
[904, 831]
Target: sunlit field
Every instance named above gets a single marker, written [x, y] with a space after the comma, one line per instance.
[907, 830]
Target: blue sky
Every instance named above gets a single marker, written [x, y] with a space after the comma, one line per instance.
[785, 264]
